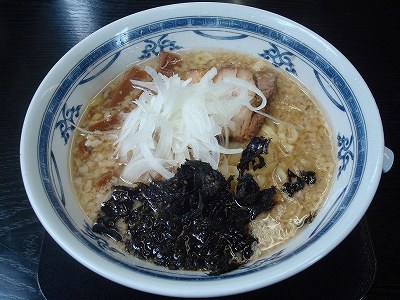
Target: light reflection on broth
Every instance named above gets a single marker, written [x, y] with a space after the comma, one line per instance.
[302, 141]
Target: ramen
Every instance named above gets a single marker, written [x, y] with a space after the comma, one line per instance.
[113, 148]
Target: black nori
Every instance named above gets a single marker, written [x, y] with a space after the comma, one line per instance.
[248, 195]
[297, 183]
[257, 146]
[192, 221]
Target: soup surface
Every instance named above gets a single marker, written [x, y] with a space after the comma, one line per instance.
[300, 140]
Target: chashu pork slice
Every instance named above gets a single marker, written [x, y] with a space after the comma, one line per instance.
[247, 122]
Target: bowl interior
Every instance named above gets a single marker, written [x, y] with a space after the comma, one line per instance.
[89, 66]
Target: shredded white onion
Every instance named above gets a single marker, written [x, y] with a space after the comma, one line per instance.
[181, 121]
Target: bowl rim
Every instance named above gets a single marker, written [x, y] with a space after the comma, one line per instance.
[218, 288]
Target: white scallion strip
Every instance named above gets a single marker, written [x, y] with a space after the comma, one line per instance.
[181, 120]
[248, 86]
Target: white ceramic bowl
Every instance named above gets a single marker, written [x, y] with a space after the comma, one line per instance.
[86, 68]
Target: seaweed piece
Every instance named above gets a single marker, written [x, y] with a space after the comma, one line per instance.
[297, 183]
[310, 218]
[192, 221]
[116, 208]
[256, 147]
[248, 195]
[308, 177]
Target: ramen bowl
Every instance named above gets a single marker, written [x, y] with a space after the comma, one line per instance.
[79, 75]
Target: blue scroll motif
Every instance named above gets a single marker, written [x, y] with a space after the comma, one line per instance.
[66, 124]
[101, 242]
[112, 60]
[156, 47]
[58, 176]
[338, 105]
[279, 59]
[344, 154]
[220, 37]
